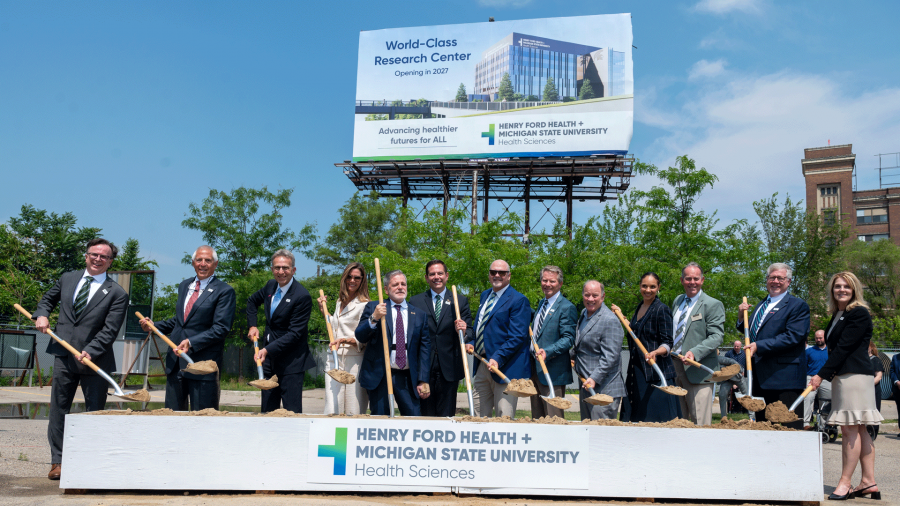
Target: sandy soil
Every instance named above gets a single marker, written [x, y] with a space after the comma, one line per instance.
[520, 388]
[202, 367]
[558, 402]
[599, 400]
[673, 390]
[777, 412]
[265, 384]
[726, 373]
[751, 404]
[341, 376]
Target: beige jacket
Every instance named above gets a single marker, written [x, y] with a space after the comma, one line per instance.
[344, 321]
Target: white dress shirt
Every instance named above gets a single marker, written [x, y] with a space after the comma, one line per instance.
[404, 312]
[483, 306]
[772, 302]
[99, 279]
[677, 316]
[203, 284]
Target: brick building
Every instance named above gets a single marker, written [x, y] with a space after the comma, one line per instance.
[872, 215]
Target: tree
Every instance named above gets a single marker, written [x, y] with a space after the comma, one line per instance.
[461, 95]
[244, 236]
[129, 258]
[550, 93]
[506, 92]
[877, 265]
[364, 221]
[587, 90]
[55, 238]
[532, 98]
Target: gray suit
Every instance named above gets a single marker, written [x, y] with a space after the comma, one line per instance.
[704, 330]
[598, 343]
[94, 331]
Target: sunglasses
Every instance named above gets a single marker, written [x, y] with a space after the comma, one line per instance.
[498, 273]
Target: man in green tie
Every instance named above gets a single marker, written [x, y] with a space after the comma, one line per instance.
[91, 311]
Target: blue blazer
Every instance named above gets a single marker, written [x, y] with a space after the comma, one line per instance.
[418, 346]
[506, 334]
[780, 359]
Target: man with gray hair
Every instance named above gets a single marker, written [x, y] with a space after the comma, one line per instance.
[778, 329]
[554, 331]
[284, 351]
[204, 313]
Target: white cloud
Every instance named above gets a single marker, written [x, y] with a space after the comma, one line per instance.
[705, 69]
[726, 6]
[504, 3]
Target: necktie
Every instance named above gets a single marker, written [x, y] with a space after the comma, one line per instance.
[81, 299]
[758, 319]
[275, 300]
[545, 305]
[400, 338]
[192, 300]
[479, 336]
[679, 328]
[437, 308]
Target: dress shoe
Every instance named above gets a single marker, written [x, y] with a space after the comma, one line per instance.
[874, 495]
[55, 471]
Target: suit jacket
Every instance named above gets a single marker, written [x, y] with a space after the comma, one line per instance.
[848, 345]
[206, 326]
[95, 330]
[286, 335]
[780, 359]
[597, 352]
[418, 346]
[506, 334]
[705, 328]
[556, 337]
[895, 371]
[445, 347]
[654, 329]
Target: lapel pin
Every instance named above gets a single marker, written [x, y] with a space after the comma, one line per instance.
[209, 290]
[446, 302]
[105, 292]
[287, 300]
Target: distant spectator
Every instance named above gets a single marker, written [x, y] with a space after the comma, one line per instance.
[879, 373]
[737, 354]
[815, 359]
[737, 382]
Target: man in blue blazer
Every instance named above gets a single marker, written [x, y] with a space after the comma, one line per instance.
[501, 337]
[410, 351]
[554, 330]
[285, 348]
[204, 313]
[779, 326]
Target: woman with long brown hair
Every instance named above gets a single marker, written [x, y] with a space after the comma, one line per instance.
[354, 293]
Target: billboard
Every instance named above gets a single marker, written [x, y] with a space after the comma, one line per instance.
[527, 88]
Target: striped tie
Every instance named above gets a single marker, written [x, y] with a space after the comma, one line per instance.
[479, 336]
[81, 299]
[758, 319]
[437, 308]
[545, 305]
[679, 329]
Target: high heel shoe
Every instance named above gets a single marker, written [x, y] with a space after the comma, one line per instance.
[835, 497]
[873, 495]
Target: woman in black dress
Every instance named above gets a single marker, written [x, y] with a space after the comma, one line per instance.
[652, 324]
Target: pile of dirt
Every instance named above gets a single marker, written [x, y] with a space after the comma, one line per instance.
[203, 367]
[341, 376]
[727, 423]
[558, 402]
[777, 412]
[673, 390]
[265, 384]
[726, 373]
[209, 412]
[281, 413]
[599, 400]
[751, 404]
[501, 419]
[138, 396]
[520, 388]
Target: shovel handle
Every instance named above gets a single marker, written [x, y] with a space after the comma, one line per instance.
[493, 370]
[65, 345]
[327, 320]
[384, 337]
[690, 361]
[536, 348]
[462, 343]
[637, 341]
[256, 351]
[747, 339]
[158, 333]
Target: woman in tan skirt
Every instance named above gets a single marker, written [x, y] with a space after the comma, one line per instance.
[850, 372]
[340, 398]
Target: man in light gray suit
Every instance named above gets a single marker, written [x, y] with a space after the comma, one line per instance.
[699, 323]
[598, 342]
[91, 311]
[554, 331]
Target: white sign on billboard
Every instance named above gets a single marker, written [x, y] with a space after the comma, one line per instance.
[527, 88]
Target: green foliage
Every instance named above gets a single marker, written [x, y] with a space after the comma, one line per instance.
[876, 265]
[587, 91]
[364, 222]
[165, 303]
[550, 93]
[129, 258]
[461, 95]
[376, 117]
[413, 103]
[245, 286]
[886, 331]
[532, 98]
[241, 233]
[506, 92]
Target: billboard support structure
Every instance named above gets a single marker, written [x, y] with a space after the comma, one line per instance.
[595, 178]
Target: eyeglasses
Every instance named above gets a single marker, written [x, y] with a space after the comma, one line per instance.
[98, 256]
[498, 273]
[779, 279]
[277, 268]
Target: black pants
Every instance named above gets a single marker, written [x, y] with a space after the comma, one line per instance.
[289, 392]
[787, 397]
[442, 401]
[200, 394]
[65, 382]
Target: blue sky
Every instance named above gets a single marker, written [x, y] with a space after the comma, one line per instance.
[124, 112]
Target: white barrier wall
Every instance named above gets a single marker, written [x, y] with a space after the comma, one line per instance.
[436, 455]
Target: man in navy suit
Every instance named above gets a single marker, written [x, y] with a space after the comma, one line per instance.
[204, 313]
[410, 346]
[779, 326]
[285, 349]
[501, 337]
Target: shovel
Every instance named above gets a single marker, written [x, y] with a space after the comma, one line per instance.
[139, 396]
[800, 399]
[749, 401]
[462, 344]
[717, 376]
[337, 374]
[592, 400]
[662, 378]
[552, 400]
[175, 348]
[503, 377]
[386, 345]
[262, 383]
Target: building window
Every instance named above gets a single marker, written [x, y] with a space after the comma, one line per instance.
[828, 217]
[828, 190]
[873, 237]
[866, 216]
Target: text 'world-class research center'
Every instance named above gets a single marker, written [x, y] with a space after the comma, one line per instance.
[530, 60]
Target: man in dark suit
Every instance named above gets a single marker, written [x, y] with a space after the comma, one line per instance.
[778, 329]
[410, 351]
[554, 330]
[203, 317]
[91, 311]
[501, 337]
[443, 328]
[285, 349]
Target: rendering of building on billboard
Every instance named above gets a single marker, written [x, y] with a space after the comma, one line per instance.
[530, 61]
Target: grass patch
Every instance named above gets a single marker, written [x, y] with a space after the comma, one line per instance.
[23, 457]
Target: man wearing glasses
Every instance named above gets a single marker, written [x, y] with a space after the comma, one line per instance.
[779, 326]
[284, 349]
[501, 337]
[91, 311]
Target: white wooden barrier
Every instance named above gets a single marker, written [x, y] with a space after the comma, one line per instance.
[239, 453]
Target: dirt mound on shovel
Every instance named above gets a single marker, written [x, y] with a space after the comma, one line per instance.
[599, 400]
[520, 388]
[726, 373]
[138, 396]
[203, 367]
[751, 404]
[558, 402]
[265, 384]
[341, 376]
[673, 390]
[777, 412]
